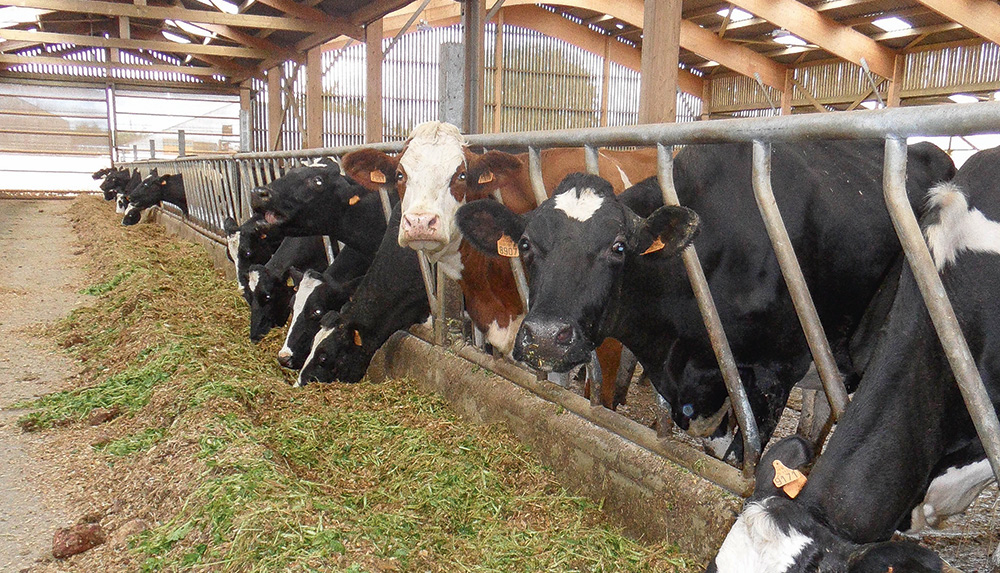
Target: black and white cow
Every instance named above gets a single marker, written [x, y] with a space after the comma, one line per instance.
[906, 453]
[315, 295]
[153, 190]
[114, 181]
[247, 245]
[390, 297]
[777, 534]
[121, 196]
[270, 284]
[598, 270]
[319, 200]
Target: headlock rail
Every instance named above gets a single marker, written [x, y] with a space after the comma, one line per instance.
[219, 186]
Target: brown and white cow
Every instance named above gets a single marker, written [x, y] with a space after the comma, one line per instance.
[436, 174]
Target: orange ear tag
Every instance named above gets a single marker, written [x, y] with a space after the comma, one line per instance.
[377, 176]
[486, 177]
[353, 200]
[656, 246]
[357, 338]
[506, 247]
[290, 282]
[790, 481]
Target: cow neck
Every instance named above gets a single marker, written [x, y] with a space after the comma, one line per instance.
[363, 226]
[649, 304]
[173, 192]
[906, 414]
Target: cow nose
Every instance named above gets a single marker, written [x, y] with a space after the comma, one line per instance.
[259, 196]
[285, 359]
[545, 342]
[420, 223]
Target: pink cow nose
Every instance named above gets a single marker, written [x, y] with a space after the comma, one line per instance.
[420, 225]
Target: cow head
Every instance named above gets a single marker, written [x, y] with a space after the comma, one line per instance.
[310, 200]
[270, 299]
[314, 297]
[146, 194]
[576, 248]
[338, 352]
[114, 182]
[436, 175]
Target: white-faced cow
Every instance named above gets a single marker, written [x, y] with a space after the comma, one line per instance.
[390, 297]
[436, 173]
[271, 287]
[598, 270]
[247, 245]
[315, 295]
[153, 190]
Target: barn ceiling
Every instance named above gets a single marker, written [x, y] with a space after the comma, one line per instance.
[229, 41]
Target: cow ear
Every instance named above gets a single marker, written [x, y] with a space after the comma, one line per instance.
[370, 167]
[230, 226]
[491, 164]
[485, 223]
[154, 171]
[791, 454]
[667, 231]
[296, 275]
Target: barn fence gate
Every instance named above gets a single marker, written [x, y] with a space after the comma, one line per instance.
[219, 186]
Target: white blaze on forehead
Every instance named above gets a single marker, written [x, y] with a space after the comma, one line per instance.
[322, 335]
[958, 228]
[120, 203]
[252, 279]
[580, 206]
[306, 288]
[433, 153]
[756, 544]
[130, 210]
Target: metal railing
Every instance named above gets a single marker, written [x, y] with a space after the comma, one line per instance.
[220, 186]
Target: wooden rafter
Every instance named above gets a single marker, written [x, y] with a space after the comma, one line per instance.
[13, 60]
[738, 58]
[814, 27]
[249, 40]
[132, 44]
[980, 16]
[104, 8]
[333, 26]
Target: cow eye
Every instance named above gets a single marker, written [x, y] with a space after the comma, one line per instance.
[618, 248]
[461, 176]
[267, 297]
[524, 244]
[318, 312]
[318, 181]
[399, 176]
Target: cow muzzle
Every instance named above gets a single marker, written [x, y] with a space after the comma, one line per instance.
[421, 231]
[551, 345]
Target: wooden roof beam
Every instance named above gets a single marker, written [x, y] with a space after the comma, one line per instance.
[15, 60]
[104, 8]
[249, 40]
[334, 26]
[979, 16]
[132, 44]
[731, 55]
[810, 25]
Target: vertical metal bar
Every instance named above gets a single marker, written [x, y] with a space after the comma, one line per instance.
[833, 382]
[590, 157]
[709, 313]
[938, 305]
[428, 275]
[535, 175]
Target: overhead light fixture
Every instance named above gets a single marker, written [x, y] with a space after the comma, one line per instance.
[892, 24]
[963, 98]
[736, 16]
[787, 38]
[226, 6]
[175, 37]
[192, 29]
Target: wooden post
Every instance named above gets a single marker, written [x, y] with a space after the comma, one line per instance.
[498, 73]
[896, 85]
[787, 93]
[274, 110]
[706, 99]
[472, 18]
[606, 84]
[660, 55]
[314, 98]
[246, 139]
[373, 86]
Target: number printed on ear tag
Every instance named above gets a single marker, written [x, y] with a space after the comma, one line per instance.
[506, 247]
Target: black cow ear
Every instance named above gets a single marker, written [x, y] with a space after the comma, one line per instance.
[775, 472]
[296, 275]
[667, 231]
[485, 223]
[230, 226]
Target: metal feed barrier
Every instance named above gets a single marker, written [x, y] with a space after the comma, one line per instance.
[219, 186]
